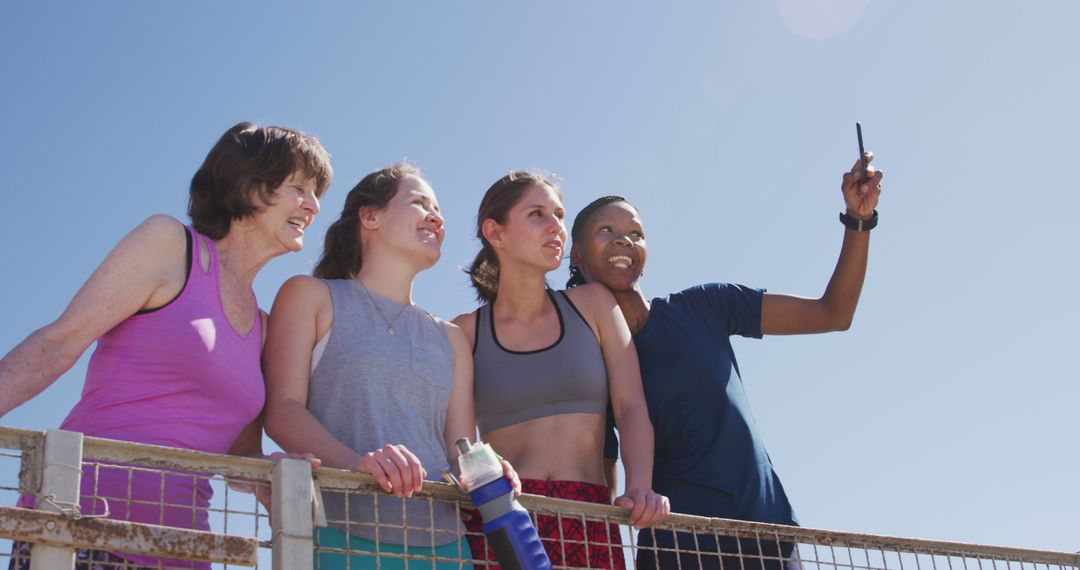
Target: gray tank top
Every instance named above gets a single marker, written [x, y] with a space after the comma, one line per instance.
[567, 377]
[371, 388]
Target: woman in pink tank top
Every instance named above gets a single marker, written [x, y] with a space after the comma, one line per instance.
[178, 329]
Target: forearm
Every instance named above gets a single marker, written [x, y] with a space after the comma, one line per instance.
[611, 474]
[861, 188]
[32, 366]
[841, 296]
[636, 446]
[293, 427]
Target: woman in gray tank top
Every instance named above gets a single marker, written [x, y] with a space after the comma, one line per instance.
[367, 381]
[546, 364]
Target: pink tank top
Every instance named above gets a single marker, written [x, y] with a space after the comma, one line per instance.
[179, 376]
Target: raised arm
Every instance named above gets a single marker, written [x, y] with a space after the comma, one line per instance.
[627, 402]
[834, 311]
[145, 270]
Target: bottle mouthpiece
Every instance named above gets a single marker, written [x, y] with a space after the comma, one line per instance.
[478, 464]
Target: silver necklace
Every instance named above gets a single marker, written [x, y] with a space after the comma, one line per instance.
[389, 324]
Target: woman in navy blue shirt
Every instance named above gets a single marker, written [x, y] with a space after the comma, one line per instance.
[709, 460]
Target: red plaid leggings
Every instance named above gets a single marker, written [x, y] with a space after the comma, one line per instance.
[604, 545]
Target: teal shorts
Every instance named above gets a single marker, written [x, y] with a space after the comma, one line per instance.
[454, 554]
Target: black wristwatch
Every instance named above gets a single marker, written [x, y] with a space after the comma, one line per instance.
[859, 225]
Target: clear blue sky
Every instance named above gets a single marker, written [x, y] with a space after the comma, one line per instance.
[945, 412]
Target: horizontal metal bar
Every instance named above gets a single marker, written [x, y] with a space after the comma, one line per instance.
[150, 540]
[13, 438]
[339, 479]
[156, 456]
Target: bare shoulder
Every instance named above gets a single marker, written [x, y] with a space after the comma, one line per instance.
[303, 297]
[591, 296]
[458, 340]
[597, 305]
[145, 270]
[302, 309]
[148, 261]
[304, 289]
[162, 224]
[160, 239]
[465, 323]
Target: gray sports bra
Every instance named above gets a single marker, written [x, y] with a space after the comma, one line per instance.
[511, 387]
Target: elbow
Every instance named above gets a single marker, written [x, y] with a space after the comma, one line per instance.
[836, 319]
[60, 344]
[55, 347]
[842, 324]
[836, 324]
[271, 429]
[632, 413]
[274, 423]
[52, 349]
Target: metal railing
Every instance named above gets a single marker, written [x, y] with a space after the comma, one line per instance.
[341, 519]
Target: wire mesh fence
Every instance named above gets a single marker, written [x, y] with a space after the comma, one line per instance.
[106, 504]
[131, 506]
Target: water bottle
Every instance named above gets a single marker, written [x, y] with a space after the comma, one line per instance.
[507, 524]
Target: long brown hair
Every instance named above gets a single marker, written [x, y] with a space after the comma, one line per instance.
[342, 254]
[503, 195]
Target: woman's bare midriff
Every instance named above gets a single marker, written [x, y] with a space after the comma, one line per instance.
[564, 447]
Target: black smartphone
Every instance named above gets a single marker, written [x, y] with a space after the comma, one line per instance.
[862, 151]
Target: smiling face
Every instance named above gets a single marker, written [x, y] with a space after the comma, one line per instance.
[612, 248]
[410, 223]
[293, 208]
[534, 233]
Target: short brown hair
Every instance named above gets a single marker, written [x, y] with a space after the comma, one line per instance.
[503, 195]
[241, 172]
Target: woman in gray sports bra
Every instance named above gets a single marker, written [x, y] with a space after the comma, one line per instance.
[364, 379]
[546, 365]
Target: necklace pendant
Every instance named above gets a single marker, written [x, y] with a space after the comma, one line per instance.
[390, 331]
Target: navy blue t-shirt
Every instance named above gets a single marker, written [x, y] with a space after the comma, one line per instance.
[710, 460]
